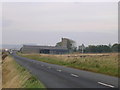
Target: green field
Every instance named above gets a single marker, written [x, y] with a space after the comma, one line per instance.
[106, 63]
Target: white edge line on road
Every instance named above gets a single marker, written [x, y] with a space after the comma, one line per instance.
[106, 84]
[59, 70]
[74, 75]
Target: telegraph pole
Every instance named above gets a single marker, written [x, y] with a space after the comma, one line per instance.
[83, 47]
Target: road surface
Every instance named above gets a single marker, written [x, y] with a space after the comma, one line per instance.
[55, 76]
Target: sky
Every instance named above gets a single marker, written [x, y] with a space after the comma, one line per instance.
[45, 23]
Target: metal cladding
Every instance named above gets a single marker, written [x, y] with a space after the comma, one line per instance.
[60, 48]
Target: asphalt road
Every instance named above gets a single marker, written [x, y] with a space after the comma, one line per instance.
[55, 76]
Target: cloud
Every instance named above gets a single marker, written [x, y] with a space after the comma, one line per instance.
[25, 22]
[61, 16]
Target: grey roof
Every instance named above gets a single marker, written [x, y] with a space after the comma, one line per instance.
[43, 47]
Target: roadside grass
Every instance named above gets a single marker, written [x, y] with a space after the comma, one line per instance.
[15, 76]
[106, 63]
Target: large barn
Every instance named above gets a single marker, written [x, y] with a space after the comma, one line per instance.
[43, 49]
[60, 48]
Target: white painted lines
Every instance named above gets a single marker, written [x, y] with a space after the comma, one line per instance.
[74, 75]
[106, 84]
[59, 70]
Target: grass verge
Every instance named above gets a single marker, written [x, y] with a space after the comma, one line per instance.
[15, 76]
[100, 63]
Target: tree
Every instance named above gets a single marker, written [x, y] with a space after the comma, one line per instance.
[91, 49]
[81, 48]
[98, 49]
[116, 48]
[103, 48]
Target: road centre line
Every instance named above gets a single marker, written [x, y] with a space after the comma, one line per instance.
[74, 75]
[59, 70]
[106, 84]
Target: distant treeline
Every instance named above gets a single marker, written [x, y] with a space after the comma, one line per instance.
[100, 48]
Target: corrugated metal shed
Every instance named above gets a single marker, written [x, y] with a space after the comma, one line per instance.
[43, 49]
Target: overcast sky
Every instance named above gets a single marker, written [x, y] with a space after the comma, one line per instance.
[45, 23]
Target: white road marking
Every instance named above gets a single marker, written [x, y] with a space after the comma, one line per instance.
[74, 75]
[59, 70]
[106, 84]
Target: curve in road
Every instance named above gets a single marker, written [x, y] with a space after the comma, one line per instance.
[55, 76]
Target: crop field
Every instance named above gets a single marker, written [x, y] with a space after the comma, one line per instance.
[106, 63]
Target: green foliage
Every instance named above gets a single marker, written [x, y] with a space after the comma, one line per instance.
[4, 55]
[102, 48]
[32, 81]
[116, 48]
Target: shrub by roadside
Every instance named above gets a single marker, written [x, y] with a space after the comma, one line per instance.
[4, 55]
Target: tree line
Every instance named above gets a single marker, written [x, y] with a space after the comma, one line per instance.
[99, 48]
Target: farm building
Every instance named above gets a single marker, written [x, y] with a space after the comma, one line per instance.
[60, 48]
[43, 49]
